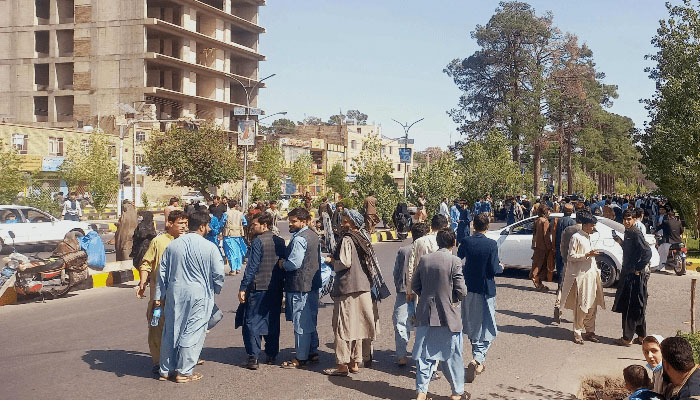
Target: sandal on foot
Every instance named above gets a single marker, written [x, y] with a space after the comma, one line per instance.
[188, 378]
[200, 362]
[293, 364]
[623, 342]
[578, 340]
[335, 372]
[402, 362]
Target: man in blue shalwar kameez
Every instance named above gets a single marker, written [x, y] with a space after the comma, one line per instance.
[302, 281]
[261, 289]
[191, 271]
[481, 264]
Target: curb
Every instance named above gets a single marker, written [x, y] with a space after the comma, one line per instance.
[383, 236]
[103, 279]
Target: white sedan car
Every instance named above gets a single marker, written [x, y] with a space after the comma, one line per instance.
[515, 246]
[34, 226]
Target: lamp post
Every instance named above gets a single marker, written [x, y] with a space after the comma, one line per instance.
[272, 115]
[406, 127]
[248, 90]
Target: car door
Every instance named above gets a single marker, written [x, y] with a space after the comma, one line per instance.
[41, 226]
[515, 249]
[20, 227]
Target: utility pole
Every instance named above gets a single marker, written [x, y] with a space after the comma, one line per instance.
[406, 127]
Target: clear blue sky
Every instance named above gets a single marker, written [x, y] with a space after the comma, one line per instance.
[386, 57]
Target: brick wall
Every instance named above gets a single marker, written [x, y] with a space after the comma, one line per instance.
[83, 14]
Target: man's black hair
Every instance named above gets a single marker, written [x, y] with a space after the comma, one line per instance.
[481, 222]
[438, 222]
[638, 212]
[300, 213]
[445, 238]
[677, 352]
[232, 203]
[197, 219]
[371, 193]
[173, 200]
[175, 215]
[263, 218]
[419, 230]
[627, 214]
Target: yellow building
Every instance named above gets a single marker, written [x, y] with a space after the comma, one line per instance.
[43, 150]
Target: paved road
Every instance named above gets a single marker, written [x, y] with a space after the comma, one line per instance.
[93, 345]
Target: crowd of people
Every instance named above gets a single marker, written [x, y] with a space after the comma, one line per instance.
[444, 283]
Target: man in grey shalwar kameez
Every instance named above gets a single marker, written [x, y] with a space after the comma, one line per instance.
[439, 283]
[481, 264]
[191, 272]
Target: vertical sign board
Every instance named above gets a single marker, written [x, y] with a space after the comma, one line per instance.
[246, 133]
[405, 155]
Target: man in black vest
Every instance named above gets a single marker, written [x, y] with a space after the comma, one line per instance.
[302, 281]
[261, 289]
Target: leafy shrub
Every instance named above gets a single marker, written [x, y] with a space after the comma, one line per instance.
[694, 340]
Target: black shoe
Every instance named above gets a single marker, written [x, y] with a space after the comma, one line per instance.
[252, 363]
[156, 370]
[270, 360]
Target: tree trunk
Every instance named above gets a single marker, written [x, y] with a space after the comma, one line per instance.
[536, 168]
[569, 163]
[561, 156]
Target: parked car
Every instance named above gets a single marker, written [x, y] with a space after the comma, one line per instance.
[192, 196]
[515, 246]
[34, 226]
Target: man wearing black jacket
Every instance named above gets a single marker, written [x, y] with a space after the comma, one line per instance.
[631, 296]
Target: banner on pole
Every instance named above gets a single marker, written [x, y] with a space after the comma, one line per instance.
[405, 155]
[246, 133]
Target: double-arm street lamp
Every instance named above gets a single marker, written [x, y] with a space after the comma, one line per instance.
[248, 91]
[406, 127]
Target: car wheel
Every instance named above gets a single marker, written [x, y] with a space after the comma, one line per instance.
[608, 270]
[1, 246]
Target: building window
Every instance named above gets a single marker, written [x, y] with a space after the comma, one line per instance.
[353, 145]
[139, 159]
[140, 136]
[359, 130]
[56, 147]
[383, 150]
[398, 167]
[19, 142]
[391, 150]
[112, 151]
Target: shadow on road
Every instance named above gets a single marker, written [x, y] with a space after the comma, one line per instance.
[382, 390]
[532, 391]
[120, 362]
[551, 332]
[527, 316]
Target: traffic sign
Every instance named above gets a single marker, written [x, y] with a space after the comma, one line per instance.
[405, 155]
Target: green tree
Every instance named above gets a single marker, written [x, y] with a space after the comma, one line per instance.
[41, 198]
[90, 164]
[13, 179]
[300, 171]
[282, 126]
[336, 180]
[373, 174]
[198, 159]
[258, 191]
[311, 120]
[269, 167]
[441, 178]
[488, 168]
[337, 119]
[356, 116]
[670, 144]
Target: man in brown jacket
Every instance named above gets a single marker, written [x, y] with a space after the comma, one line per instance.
[371, 218]
[541, 245]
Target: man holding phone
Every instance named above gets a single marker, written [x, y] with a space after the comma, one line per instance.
[631, 296]
[583, 288]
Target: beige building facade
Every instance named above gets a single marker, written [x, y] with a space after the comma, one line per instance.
[68, 63]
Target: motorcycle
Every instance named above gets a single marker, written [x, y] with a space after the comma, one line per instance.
[677, 254]
[53, 277]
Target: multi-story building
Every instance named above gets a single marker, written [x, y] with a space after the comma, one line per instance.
[66, 63]
[339, 144]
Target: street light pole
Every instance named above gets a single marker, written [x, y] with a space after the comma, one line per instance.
[406, 127]
[248, 90]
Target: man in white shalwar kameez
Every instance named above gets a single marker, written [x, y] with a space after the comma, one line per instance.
[583, 289]
[191, 272]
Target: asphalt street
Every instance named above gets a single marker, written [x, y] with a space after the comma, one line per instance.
[92, 344]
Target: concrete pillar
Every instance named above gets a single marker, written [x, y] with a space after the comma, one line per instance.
[227, 6]
[168, 47]
[52, 109]
[189, 110]
[189, 18]
[220, 60]
[189, 83]
[220, 29]
[53, 85]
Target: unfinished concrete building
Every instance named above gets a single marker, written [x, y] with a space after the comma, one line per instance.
[63, 63]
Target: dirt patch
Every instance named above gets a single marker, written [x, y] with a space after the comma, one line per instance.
[609, 387]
